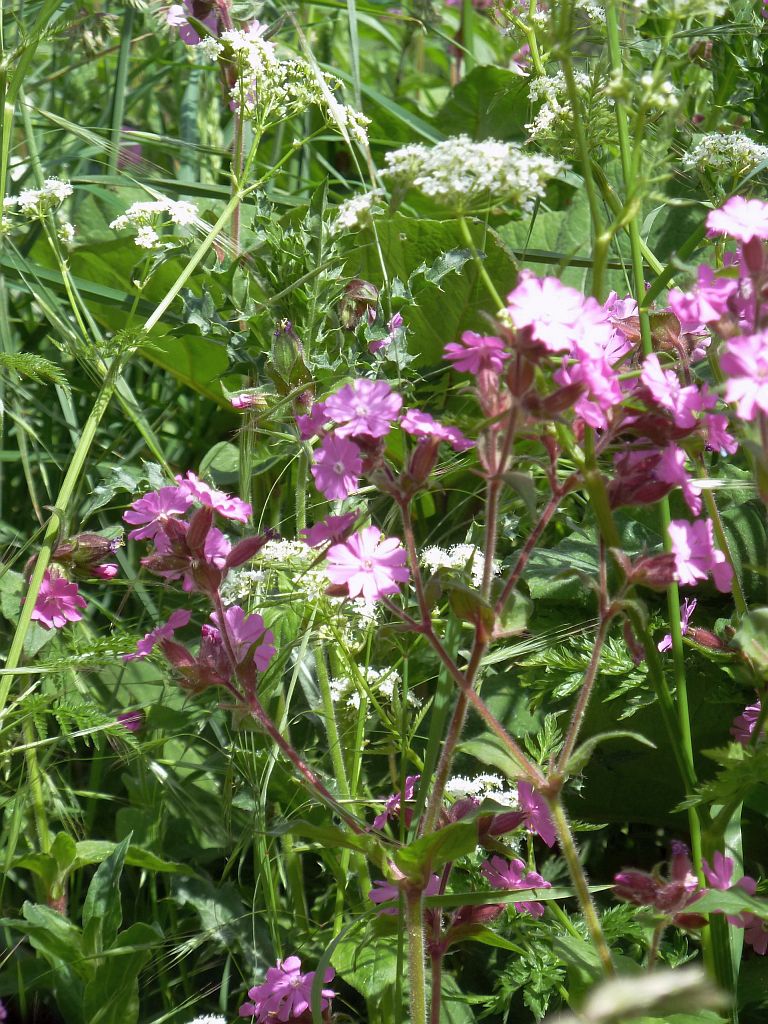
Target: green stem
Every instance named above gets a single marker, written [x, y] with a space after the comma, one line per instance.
[121, 80]
[417, 974]
[490, 286]
[576, 871]
[58, 515]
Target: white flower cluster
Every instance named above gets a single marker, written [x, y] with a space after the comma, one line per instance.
[552, 92]
[269, 90]
[593, 10]
[460, 556]
[357, 212]
[462, 173]
[351, 619]
[209, 1019]
[481, 786]
[147, 216]
[726, 154]
[661, 95]
[380, 681]
[36, 202]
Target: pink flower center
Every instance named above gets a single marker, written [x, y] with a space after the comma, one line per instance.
[338, 467]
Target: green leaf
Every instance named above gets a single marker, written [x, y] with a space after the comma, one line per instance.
[581, 756]
[489, 102]
[367, 963]
[421, 857]
[752, 638]
[36, 367]
[524, 485]
[102, 909]
[94, 851]
[490, 751]
[112, 996]
[731, 901]
[51, 934]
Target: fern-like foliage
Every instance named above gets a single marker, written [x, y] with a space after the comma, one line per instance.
[37, 368]
[73, 720]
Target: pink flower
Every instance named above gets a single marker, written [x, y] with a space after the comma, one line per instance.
[511, 874]
[558, 316]
[755, 933]
[718, 438]
[395, 324]
[670, 896]
[537, 816]
[154, 509]
[131, 720]
[394, 802]
[740, 218]
[286, 993]
[337, 467]
[744, 724]
[58, 602]
[421, 425]
[476, 352]
[670, 469]
[601, 384]
[719, 877]
[177, 16]
[708, 301]
[219, 501]
[106, 571]
[370, 567]
[667, 391]
[216, 547]
[745, 364]
[385, 892]
[686, 611]
[364, 407]
[244, 633]
[333, 528]
[693, 546]
[177, 620]
[311, 425]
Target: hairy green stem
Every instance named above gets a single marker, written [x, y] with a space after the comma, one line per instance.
[417, 975]
[484, 275]
[579, 879]
[579, 711]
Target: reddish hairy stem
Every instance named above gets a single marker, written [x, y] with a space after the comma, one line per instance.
[577, 717]
[413, 558]
[436, 986]
[257, 710]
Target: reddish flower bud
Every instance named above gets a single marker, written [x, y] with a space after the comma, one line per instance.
[246, 549]
[359, 297]
[423, 460]
[753, 253]
[199, 527]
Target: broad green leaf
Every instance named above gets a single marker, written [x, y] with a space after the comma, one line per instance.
[368, 963]
[112, 996]
[102, 909]
[423, 856]
[94, 851]
[489, 102]
[752, 638]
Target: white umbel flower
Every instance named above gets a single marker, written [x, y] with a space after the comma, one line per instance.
[465, 174]
[735, 153]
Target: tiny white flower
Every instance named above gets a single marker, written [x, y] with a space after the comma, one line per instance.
[147, 237]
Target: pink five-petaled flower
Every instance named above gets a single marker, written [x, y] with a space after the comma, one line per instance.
[745, 364]
[670, 469]
[550, 310]
[244, 632]
[215, 550]
[740, 218]
[219, 501]
[332, 528]
[58, 602]
[370, 567]
[537, 816]
[311, 424]
[155, 508]
[363, 408]
[693, 545]
[337, 467]
[670, 896]
[285, 993]
[177, 620]
[719, 877]
[511, 874]
[394, 803]
[476, 352]
[178, 17]
[744, 724]
[718, 438]
[386, 892]
[421, 425]
[667, 391]
[686, 611]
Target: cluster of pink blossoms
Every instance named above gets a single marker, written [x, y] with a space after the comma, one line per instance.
[178, 521]
[675, 896]
[285, 994]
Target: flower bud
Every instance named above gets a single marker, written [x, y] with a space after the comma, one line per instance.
[246, 549]
[423, 460]
[359, 297]
[84, 549]
[199, 527]
[753, 255]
